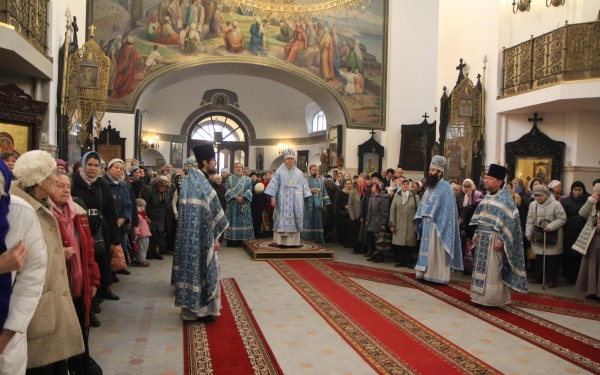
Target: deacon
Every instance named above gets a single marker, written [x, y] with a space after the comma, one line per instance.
[314, 207]
[196, 258]
[436, 222]
[288, 189]
[499, 256]
[238, 195]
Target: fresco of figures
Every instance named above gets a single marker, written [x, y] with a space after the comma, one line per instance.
[143, 37]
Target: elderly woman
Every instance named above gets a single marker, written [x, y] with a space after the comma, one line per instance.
[468, 200]
[588, 244]
[102, 215]
[377, 219]
[82, 270]
[123, 200]
[48, 349]
[403, 209]
[546, 212]
[354, 215]
[342, 216]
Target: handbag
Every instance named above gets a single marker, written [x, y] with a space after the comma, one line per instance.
[92, 367]
[538, 232]
[117, 260]
[383, 241]
[99, 245]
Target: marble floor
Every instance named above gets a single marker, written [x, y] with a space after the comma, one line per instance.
[142, 332]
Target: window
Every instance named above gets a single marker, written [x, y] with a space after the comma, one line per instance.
[319, 122]
[218, 128]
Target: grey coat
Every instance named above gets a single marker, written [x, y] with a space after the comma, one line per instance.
[378, 212]
[585, 237]
[552, 211]
[401, 218]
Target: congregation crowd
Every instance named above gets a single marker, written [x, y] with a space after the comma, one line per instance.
[68, 233]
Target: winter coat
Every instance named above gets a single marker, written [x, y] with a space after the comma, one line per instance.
[53, 333]
[122, 199]
[354, 205]
[98, 196]
[552, 211]
[156, 209]
[401, 218]
[378, 212]
[575, 222]
[585, 237]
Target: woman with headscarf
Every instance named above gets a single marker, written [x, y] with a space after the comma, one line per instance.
[468, 200]
[555, 188]
[48, 349]
[354, 214]
[573, 227]
[546, 212]
[115, 171]
[588, 244]
[102, 215]
[82, 270]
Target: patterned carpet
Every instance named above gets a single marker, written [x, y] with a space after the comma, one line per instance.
[326, 285]
[233, 344]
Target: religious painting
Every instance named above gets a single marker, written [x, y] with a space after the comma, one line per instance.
[349, 37]
[260, 158]
[88, 76]
[177, 154]
[160, 163]
[303, 160]
[14, 137]
[529, 167]
[465, 107]
[334, 137]
[370, 162]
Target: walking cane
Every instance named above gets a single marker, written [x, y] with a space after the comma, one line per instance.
[544, 264]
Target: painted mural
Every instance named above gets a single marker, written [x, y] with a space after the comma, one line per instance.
[345, 52]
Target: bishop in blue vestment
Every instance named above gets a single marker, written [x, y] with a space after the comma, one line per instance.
[288, 189]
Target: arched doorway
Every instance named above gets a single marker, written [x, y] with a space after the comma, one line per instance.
[227, 133]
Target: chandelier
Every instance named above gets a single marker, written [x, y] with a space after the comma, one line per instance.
[297, 9]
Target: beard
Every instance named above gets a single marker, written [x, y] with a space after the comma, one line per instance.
[432, 180]
[239, 174]
[315, 174]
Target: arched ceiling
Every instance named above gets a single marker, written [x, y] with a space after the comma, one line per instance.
[274, 100]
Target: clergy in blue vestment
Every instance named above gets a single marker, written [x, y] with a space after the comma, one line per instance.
[288, 189]
[436, 221]
[499, 261]
[196, 258]
[314, 207]
[238, 195]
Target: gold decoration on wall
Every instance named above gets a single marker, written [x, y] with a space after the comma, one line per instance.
[87, 86]
[309, 8]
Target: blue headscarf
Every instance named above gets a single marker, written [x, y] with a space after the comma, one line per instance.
[5, 278]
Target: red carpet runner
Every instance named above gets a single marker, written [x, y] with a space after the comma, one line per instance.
[233, 344]
[573, 346]
[389, 340]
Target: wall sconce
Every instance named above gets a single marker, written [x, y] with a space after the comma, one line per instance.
[521, 5]
[154, 142]
[555, 3]
[282, 148]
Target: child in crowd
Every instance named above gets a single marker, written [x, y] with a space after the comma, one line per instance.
[142, 235]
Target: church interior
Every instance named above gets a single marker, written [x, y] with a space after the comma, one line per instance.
[527, 97]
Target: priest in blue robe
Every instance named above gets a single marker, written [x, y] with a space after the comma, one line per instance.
[314, 207]
[287, 189]
[202, 220]
[436, 221]
[499, 261]
[238, 194]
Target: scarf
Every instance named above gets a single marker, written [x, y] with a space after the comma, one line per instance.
[468, 197]
[89, 181]
[5, 278]
[405, 195]
[67, 233]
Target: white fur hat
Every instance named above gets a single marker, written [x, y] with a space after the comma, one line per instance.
[33, 167]
[259, 188]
